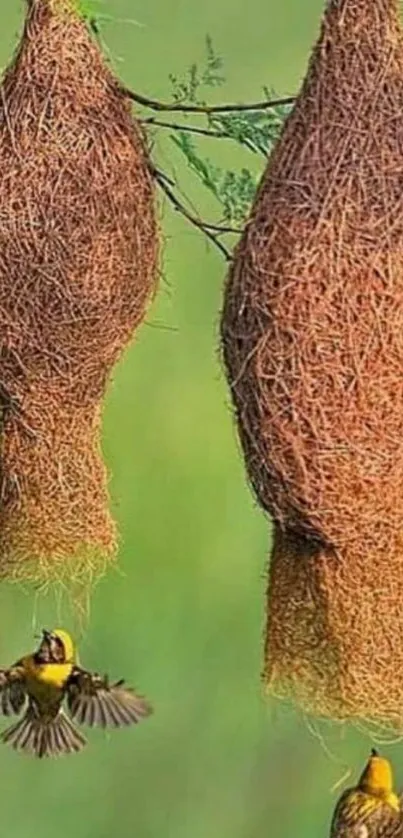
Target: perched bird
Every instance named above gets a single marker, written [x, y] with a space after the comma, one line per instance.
[41, 682]
[371, 809]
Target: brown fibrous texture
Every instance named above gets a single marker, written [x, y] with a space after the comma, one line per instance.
[312, 332]
[78, 267]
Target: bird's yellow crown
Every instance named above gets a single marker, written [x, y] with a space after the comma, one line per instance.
[68, 645]
[377, 779]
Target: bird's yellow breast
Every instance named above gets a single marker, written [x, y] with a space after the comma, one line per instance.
[46, 674]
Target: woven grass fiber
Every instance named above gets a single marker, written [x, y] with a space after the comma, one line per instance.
[78, 266]
[312, 333]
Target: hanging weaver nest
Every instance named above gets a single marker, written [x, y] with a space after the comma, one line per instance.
[78, 257]
[312, 332]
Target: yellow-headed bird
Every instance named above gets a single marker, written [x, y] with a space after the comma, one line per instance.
[42, 681]
[371, 809]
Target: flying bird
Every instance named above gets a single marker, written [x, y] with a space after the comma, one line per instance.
[40, 684]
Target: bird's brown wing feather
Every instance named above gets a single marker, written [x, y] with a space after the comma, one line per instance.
[348, 822]
[13, 694]
[91, 700]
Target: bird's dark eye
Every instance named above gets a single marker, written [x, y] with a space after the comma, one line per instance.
[57, 650]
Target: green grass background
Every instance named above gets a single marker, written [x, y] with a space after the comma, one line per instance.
[183, 617]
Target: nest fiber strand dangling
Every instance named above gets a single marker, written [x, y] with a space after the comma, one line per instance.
[312, 332]
[78, 266]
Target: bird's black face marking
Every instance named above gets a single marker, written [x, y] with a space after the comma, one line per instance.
[51, 649]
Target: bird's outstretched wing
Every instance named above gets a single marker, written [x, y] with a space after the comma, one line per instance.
[93, 701]
[13, 694]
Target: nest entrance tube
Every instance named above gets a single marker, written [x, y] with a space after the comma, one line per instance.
[312, 333]
[78, 267]
[322, 642]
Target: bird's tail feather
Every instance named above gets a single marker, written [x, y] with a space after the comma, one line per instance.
[52, 737]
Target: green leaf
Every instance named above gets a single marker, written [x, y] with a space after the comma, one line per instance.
[206, 171]
[189, 88]
[256, 130]
[91, 12]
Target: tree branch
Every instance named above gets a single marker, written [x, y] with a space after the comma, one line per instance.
[155, 105]
[209, 230]
[192, 129]
[206, 132]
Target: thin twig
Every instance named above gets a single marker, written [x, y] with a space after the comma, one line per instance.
[206, 132]
[218, 228]
[155, 105]
[192, 129]
[164, 181]
[223, 228]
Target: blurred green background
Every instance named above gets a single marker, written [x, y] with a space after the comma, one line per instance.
[182, 618]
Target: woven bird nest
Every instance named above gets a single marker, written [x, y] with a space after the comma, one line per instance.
[78, 259]
[312, 332]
